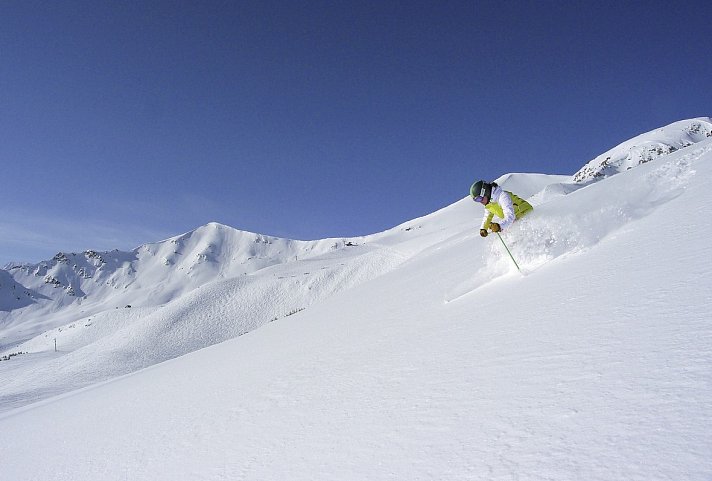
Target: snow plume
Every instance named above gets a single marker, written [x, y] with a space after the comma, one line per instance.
[570, 218]
[582, 219]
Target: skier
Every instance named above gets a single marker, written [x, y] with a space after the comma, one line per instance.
[498, 202]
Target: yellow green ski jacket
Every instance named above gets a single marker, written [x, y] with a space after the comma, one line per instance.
[504, 207]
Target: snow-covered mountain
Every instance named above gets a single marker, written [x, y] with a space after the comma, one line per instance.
[184, 262]
[646, 147]
[416, 353]
[72, 286]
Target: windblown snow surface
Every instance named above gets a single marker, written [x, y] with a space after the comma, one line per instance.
[419, 354]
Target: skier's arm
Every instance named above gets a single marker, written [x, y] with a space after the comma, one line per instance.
[486, 219]
[505, 201]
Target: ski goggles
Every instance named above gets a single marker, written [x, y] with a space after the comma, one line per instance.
[479, 198]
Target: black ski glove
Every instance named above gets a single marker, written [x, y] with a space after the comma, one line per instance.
[495, 227]
[483, 232]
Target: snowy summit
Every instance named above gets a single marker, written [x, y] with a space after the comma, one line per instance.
[417, 353]
[646, 147]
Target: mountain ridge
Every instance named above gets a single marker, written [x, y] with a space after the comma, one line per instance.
[646, 147]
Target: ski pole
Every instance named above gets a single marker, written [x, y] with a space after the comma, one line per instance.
[510, 254]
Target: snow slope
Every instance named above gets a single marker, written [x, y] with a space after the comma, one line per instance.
[115, 341]
[596, 364]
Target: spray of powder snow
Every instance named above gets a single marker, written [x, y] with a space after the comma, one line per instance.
[575, 219]
[572, 224]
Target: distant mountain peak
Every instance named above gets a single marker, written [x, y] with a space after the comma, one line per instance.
[216, 225]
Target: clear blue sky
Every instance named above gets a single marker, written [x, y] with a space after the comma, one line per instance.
[123, 123]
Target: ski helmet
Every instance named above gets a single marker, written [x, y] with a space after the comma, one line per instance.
[481, 189]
